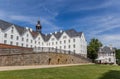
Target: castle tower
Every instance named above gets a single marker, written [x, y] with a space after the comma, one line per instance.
[38, 27]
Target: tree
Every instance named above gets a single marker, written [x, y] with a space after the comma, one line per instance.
[93, 48]
[118, 56]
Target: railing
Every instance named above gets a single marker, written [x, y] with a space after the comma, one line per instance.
[51, 50]
[13, 51]
[54, 50]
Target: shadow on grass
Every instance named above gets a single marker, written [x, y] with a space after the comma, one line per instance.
[113, 74]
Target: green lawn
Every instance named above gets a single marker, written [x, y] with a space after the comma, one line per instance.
[73, 72]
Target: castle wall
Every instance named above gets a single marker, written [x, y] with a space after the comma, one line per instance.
[17, 57]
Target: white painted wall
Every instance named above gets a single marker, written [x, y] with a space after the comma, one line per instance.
[107, 57]
[75, 44]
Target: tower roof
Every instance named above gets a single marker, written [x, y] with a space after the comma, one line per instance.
[38, 26]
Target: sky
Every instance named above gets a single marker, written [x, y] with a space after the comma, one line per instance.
[96, 18]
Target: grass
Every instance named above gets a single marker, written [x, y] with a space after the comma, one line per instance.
[73, 72]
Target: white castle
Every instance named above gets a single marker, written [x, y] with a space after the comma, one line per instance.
[69, 40]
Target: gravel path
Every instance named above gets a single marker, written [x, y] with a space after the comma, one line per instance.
[8, 68]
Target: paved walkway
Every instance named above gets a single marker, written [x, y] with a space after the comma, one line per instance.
[8, 68]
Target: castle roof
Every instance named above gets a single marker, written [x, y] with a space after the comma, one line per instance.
[71, 33]
[106, 49]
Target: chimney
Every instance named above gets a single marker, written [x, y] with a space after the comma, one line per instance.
[110, 46]
[31, 29]
[55, 32]
[61, 31]
[26, 28]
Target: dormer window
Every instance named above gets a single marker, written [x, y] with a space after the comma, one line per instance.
[52, 39]
[12, 30]
[64, 37]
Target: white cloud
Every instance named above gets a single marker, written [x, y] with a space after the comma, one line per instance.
[98, 27]
[99, 24]
[48, 25]
[108, 39]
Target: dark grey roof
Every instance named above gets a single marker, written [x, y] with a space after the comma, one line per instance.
[106, 49]
[4, 25]
[58, 34]
[46, 37]
[71, 33]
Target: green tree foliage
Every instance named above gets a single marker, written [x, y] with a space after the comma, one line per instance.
[93, 48]
[118, 56]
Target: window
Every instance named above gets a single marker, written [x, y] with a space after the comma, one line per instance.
[35, 42]
[27, 35]
[60, 42]
[31, 41]
[5, 41]
[69, 41]
[52, 39]
[109, 59]
[42, 43]
[74, 46]
[39, 43]
[5, 35]
[73, 40]
[22, 39]
[69, 46]
[11, 43]
[11, 36]
[17, 38]
[22, 44]
[17, 43]
[39, 38]
[60, 47]
[31, 46]
[52, 43]
[64, 37]
[64, 47]
[64, 41]
[12, 30]
[26, 45]
[26, 40]
[74, 51]
[56, 42]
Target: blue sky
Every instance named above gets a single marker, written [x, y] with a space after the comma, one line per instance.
[96, 18]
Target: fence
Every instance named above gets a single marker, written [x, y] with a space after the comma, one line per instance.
[13, 51]
[10, 51]
[52, 50]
